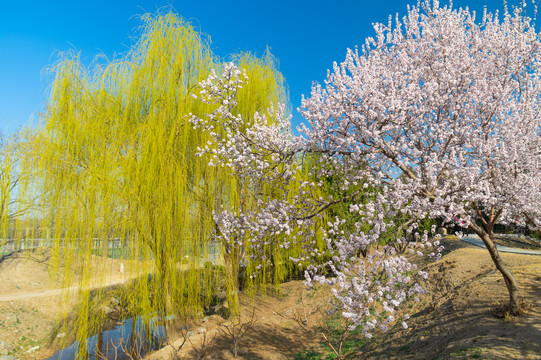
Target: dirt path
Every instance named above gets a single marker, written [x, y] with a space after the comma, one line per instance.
[23, 295]
[26, 279]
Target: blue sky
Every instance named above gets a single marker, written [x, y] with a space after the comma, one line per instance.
[305, 36]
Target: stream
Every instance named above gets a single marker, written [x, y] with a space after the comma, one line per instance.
[126, 341]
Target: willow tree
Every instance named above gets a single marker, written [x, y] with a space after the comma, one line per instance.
[12, 181]
[117, 160]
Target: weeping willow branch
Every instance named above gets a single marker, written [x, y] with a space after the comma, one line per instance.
[115, 159]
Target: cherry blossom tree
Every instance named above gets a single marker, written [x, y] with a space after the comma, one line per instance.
[435, 117]
[266, 156]
[451, 105]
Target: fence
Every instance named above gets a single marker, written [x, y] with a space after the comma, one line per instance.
[116, 248]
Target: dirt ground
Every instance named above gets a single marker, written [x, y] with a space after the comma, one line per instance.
[32, 301]
[454, 320]
[271, 322]
[27, 322]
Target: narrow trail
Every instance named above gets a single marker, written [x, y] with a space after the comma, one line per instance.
[24, 295]
[114, 280]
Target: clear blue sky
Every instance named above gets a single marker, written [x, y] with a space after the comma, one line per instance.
[306, 37]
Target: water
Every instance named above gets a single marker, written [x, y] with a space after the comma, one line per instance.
[118, 343]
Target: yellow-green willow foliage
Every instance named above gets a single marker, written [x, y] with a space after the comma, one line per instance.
[12, 181]
[115, 164]
[8, 182]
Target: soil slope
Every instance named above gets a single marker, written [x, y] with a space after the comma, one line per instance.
[454, 320]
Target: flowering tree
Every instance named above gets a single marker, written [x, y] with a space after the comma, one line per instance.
[266, 156]
[435, 117]
[452, 106]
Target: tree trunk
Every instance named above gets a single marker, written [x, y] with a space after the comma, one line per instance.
[99, 346]
[510, 281]
[166, 299]
[134, 347]
[105, 247]
[232, 268]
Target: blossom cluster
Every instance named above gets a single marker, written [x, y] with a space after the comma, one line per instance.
[262, 150]
[444, 110]
[250, 147]
[436, 117]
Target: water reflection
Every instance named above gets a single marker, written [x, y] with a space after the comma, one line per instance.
[130, 340]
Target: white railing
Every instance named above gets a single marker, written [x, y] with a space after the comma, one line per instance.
[116, 247]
